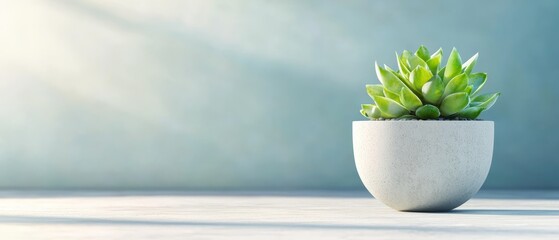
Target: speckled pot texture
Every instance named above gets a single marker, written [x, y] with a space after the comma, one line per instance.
[423, 166]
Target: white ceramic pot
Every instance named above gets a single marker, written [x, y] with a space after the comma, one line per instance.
[423, 165]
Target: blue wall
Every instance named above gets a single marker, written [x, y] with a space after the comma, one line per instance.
[249, 94]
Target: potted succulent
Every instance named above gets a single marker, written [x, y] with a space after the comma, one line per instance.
[423, 148]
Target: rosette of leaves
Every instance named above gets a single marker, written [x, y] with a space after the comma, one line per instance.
[422, 88]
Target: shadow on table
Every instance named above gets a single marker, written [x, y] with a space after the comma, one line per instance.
[484, 194]
[522, 194]
[507, 212]
[7, 194]
[63, 220]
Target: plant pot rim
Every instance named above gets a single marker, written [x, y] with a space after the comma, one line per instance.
[424, 121]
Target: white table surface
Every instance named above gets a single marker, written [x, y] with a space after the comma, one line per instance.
[269, 215]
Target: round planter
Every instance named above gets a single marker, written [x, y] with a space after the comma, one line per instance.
[425, 166]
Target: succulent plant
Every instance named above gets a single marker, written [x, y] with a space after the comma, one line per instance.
[422, 88]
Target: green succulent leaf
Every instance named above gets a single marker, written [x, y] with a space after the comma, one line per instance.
[405, 80]
[433, 90]
[370, 111]
[419, 76]
[363, 113]
[477, 80]
[440, 73]
[405, 56]
[365, 110]
[390, 107]
[438, 52]
[434, 62]
[423, 53]
[397, 74]
[485, 101]
[469, 65]
[428, 112]
[454, 103]
[470, 113]
[409, 99]
[388, 79]
[404, 70]
[457, 84]
[375, 90]
[415, 61]
[453, 66]
[392, 95]
[468, 90]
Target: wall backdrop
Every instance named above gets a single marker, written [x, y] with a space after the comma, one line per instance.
[249, 94]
